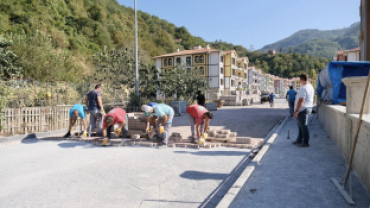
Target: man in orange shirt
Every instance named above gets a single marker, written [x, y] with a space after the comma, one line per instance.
[196, 115]
[115, 116]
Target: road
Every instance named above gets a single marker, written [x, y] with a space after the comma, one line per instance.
[36, 173]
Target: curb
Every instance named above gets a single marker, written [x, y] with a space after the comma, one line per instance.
[242, 179]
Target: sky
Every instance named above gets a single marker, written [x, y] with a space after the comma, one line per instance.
[251, 22]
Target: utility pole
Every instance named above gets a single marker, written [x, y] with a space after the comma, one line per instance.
[136, 56]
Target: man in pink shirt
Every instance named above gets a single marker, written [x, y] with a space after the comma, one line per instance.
[113, 117]
[196, 115]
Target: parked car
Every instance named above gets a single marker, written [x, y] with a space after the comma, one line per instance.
[265, 97]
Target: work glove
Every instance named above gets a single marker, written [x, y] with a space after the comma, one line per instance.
[103, 112]
[84, 133]
[118, 131]
[205, 136]
[161, 129]
[147, 130]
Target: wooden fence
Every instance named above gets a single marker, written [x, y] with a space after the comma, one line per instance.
[41, 119]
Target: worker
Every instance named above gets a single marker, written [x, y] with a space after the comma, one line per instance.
[165, 115]
[76, 111]
[151, 120]
[290, 97]
[198, 116]
[303, 109]
[200, 98]
[115, 116]
[93, 102]
[271, 98]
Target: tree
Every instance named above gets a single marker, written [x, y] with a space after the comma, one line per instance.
[9, 66]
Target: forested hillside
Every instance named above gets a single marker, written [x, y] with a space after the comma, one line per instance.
[319, 43]
[58, 39]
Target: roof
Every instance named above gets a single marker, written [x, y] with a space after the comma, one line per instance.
[251, 67]
[354, 50]
[188, 52]
[242, 58]
[229, 51]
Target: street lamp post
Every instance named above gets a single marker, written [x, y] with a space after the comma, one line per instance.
[136, 56]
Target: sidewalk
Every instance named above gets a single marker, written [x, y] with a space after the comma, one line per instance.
[290, 176]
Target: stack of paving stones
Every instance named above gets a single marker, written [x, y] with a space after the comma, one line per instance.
[224, 135]
[136, 125]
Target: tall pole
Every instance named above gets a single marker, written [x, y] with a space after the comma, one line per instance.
[136, 56]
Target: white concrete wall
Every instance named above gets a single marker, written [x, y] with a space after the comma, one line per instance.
[158, 63]
[340, 124]
[353, 56]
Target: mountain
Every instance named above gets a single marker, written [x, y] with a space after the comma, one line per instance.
[319, 43]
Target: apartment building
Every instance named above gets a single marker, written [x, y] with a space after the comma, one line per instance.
[208, 62]
[267, 83]
[230, 73]
[242, 73]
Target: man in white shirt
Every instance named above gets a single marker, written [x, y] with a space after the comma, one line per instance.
[303, 109]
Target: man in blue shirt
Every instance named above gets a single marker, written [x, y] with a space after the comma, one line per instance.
[165, 114]
[271, 97]
[290, 96]
[76, 111]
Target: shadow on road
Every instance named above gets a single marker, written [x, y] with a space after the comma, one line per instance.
[215, 153]
[198, 175]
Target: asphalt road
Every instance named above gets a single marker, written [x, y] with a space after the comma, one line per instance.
[38, 173]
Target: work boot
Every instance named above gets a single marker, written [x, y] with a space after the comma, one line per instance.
[68, 134]
[162, 146]
[303, 145]
[194, 141]
[296, 143]
[105, 142]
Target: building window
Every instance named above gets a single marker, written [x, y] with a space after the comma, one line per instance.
[188, 61]
[222, 81]
[222, 92]
[178, 60]
[245, 76]
[232, 83]
[239, 65]
[201, 70]
[222, 59]
[165, 62]
[201, 59]
[234, 61]
[170, 61]
[234, 72]
[196, 59]
[245, 66]
[222, 70]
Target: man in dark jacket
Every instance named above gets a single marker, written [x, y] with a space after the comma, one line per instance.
[201, 99]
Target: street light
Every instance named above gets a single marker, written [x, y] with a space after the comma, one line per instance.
[136, 56]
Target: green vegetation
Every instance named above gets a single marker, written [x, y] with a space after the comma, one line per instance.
[319, 43]
[287, 65]
[92, 41]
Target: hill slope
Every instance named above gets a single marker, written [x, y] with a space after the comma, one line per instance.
[56, 39]
[320, 43]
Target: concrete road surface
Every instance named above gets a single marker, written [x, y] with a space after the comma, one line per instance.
[38, 173]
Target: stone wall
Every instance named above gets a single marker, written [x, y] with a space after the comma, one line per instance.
[340, 124]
